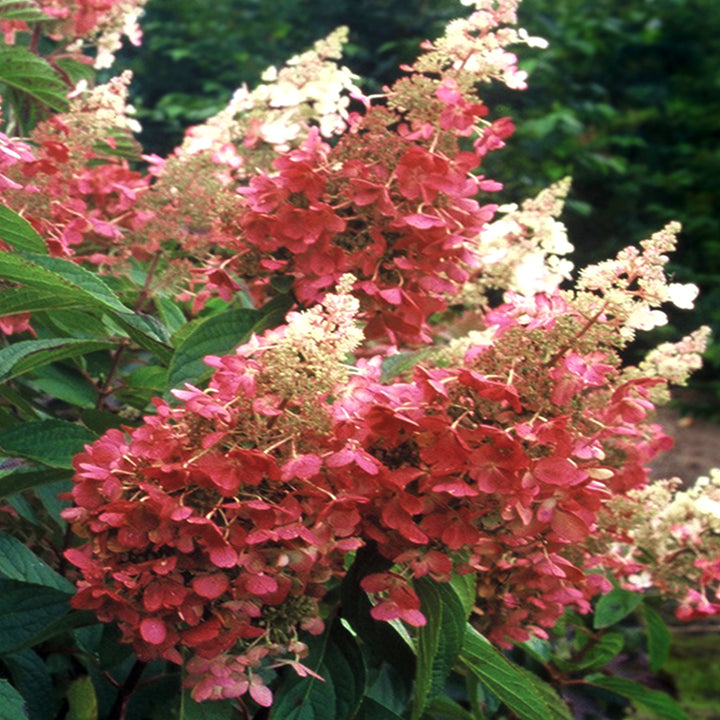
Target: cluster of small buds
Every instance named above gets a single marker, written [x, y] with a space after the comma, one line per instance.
[665, 537]
[628, 290]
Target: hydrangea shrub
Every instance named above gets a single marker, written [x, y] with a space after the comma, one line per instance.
[321, 412]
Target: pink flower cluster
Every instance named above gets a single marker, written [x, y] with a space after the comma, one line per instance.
[216, 525]
[393, 203]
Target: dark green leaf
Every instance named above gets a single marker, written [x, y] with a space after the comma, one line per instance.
[148, 332]
[74, 322]
[100, 421]
[336, 657]
[30, 74]
[61, 276]
[218, 335]
[659, 638]
[50, 442]
[18, 232]
[170, 313]
[26, 610]
[438, 641]
[504, 679]
[17, 562]
[22, 299]
[372, 710]
[24, 479]
[382, 640]
[26, 355]
[660, 703]
[48, 496]
[614, 606]
[443, 708]
[12, 705]
[557, 707]
[66, 384]
[599, 654]
[31, 677]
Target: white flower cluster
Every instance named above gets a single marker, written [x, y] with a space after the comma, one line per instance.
[476, 45]
[628, 289]
[675, 362]
[522, 251]
[121, 21]
[104, 107]
[673, 533]
[311, 87]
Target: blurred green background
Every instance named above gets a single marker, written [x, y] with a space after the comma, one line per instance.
[626, 99]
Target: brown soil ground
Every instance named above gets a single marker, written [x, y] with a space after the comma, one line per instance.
[697, 444]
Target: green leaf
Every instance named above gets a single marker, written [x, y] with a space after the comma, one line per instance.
[207, 710]
[32, 679]
[17, 562]
[50, 442]
[464, 587]
[401, 363]
[218, 335]
[26, 355]
[659, 638]
[443, 708]
[381, 639]
[22, 299]
[18, 480]
[170, 313]
[660, 703]
[12, 705]
[503, 678]
[336, 657]
[33, 76]
[26, 610]
[76, 278]
[556, 706]
[148, 332]
[64, 383]
[438, 641]
[66, 279]
[609, 645]
[18, 232]
[18, 10]
[373, 710]
[82, 700]
[614, 606]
